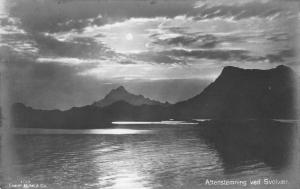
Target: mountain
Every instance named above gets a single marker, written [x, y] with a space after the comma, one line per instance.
[236, 94]
[76, 118]
[244, 93]
[121, 94]
[86, 117]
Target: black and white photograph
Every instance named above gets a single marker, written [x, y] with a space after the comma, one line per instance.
[149, 94]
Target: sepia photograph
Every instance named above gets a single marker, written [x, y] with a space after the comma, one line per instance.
[149, 94]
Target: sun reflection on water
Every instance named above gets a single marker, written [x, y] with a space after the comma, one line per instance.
[116, 131]
[126, 180]
[119, 131]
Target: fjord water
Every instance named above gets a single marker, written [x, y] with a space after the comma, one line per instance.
[129, 156]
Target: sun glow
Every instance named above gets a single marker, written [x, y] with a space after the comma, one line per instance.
[129, 36]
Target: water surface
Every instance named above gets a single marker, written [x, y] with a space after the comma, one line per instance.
[126, 156]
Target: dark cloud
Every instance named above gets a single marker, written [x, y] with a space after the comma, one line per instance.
[182, 40]
[181, 56]
[211, 54]
[64, 15]
[127, 62]
[279, 37]
[240, 10]
[156, 57]
[281, 56]
[59, 15]
[14, 37]
[200, 41]
[79, 24]
[177, 29]
[78, 47]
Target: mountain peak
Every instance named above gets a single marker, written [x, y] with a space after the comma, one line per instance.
[231, 68]
[283, 68]
[121, 94]
[231, 71]
[119, 90]
[18, 105]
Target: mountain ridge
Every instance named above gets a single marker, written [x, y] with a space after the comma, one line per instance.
[236, 94]
[121, 94]
[236, 87]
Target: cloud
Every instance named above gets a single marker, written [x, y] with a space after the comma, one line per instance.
[282, 36]
[14, 37]
[99, 33]
[182, 56]
[65, 52]
[223, 55]
[56, 16]
[115, 35]
[208, 3]
[79, 24]
[10, 25]
[148, 71]
[156, 57]
[188, 40]
[60, 16]
[238, 9]
[83, 47]
[281, 56]
[68, 61]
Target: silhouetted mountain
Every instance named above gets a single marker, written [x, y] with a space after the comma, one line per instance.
[121, 94]
[86, 117]
[243, 93]
[235, 94]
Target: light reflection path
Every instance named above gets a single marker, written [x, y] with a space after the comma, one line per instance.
[116, 131]
[153, 123]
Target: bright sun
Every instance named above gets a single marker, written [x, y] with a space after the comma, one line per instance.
[129, 36]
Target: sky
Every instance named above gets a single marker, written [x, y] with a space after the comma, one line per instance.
[58, 54]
